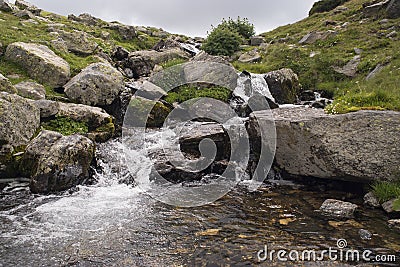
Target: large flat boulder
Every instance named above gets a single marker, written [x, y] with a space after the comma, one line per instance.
[56, 162]
[99, 84]
[40, 62]
[19, 120]
[360, 146]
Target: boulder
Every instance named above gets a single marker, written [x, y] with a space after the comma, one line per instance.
[119, 54]
[24, 14]
[283, 85]
[6, 85]
[78, 42]
[5, 6]
[147, 90]
[393, 9]
[85, 18]
[372, 10]
[163, 56]
[373, 73]
[31, 90]
[356, 146]
[250, 57]
[350, 69]
[389, 206]
[312, 37]
[47, 108]
[395, 223]
[371, 200]
[203, 56]
[97, 85]
[338, 209]
[127, 32]
[23, 5]
[136, 66]
[256, 40]
[166, 44]
[40, 62]
[19, 120]
[56, 162]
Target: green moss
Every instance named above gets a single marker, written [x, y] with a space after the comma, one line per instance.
[173, 62]
[188, 92]
[66, 126]
[139, 114]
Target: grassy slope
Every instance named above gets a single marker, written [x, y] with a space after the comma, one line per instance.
[316, 73]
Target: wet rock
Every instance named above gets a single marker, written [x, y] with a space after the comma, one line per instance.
[47, 108]
[56, 162]
[99, 84]
[371, 200]
[24, 5]
[6, 85]
[127, 32]
[40, 62]
[78, 42]
[5, 6]
[31, 90]
[19, 120]
[338, 209]
[365, 234]
[250, 57]
[350, 69]
[283, 85]
[311, 143]
[256, 40]
[312, 37]
[393, 9]
[394, 223]
[307, 96]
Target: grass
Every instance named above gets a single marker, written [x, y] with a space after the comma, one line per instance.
[66, 126]
[385, 191]
[317, 73]
[173, 62]
[187, 92]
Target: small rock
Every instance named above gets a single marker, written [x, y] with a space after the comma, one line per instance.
[389, 206]
[312, 37]
[371, 200]
[395, 223]
[147, 90]
[256, 40]
[47, 108]
[358, 51]
[340, 9]
[365, 234]
[384, 21]
[350, 69]
[250, 57]
[307, 96]
[31, 90]
[373, 73]
[391, 34]
[338, 209]
[6, 85]
[85, 18]
[1, 49]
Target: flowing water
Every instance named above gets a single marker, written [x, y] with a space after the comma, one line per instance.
[112, 223]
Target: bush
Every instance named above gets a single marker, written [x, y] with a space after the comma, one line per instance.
[226, 38]
[325, 6]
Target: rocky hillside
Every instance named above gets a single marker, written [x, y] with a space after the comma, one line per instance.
[351, 53]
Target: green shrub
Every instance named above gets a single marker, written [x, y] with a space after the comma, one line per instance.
[242, 26]
[187, 92]
[325, 6]
[66, 126]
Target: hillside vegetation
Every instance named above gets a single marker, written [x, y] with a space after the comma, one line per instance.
[350, 32]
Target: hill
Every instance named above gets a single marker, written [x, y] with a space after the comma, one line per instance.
[334, 52]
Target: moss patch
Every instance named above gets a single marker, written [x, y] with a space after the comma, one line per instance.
[66, 126]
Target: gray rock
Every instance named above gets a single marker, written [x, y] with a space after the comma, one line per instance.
[365, 234]
[97, 85]
[19, 120]
[162, 56]
[391, 34]
[126, 32]
[137, 66]
[395, 223]
[5, 6]
[2, 48]
[119, 54]
[338, 209]
[85, 18]
[23, 5]
[60, 45]
[312, 37]
[166, 44]
[56, 162]
[350, 69]
[357, 146]
[250, 57]
[283, 85]
[78, 42]
[24, 14]
[40, 62]
[371, 200]
[393, 9]
[358, 51]
[388, 206]
[373, 73]
[340, 9]
[47, 108]
[147, 90]
[6, 85]
[256, 40]
[203, 56]
[31, 90]
[376, 8]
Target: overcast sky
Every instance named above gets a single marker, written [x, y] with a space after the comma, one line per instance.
[193, 18]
